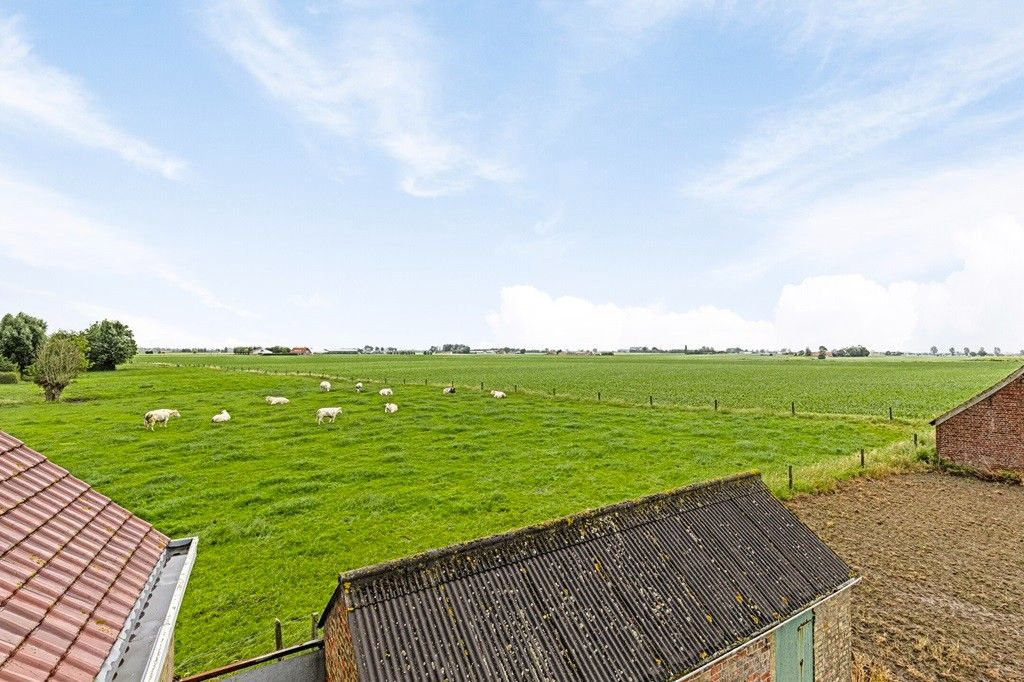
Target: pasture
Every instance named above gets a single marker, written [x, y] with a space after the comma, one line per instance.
[917, 387]
[281, 505]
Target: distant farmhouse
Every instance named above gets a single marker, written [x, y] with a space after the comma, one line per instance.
[712, 582]
[87, 590]
[300, 350]
[986, 433]
[260, 351]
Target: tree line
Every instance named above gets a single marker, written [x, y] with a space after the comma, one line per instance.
[53, 361]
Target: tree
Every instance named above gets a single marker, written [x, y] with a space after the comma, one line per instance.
[952, 350]
[21, 336]
[967, 351]
[935, 350]
[110, 343]
[60, 360]
[982, 352]
[821, 352]
[279, 350]
[997, 351]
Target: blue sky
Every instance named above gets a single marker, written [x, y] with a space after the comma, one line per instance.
[546, 174]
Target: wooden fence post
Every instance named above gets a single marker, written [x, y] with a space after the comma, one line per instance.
[651, 400]
[915, 440]
[716, 404]
[792, 408]
[599, 396]
[312, 626]
[862, 458]
[481, 385]
[278, 640]
[790, 476]
[890, 412]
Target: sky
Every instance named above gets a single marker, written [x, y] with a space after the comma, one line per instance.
[545, 174]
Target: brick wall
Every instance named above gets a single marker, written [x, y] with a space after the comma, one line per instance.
[339, 656]
[832, 640]
[988, 436]
[752, 663]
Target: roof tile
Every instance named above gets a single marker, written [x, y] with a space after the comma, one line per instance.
[72, 566]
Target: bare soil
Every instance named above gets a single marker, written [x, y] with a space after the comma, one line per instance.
[942, 566]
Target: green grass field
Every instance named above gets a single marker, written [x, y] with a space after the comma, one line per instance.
[281, 506]
[914, 387]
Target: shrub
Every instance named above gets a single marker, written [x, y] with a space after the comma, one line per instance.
[58, 363]
[8, 378]
[7, 365]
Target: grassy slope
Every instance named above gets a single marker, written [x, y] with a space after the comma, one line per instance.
[916, 388]
[281, 506]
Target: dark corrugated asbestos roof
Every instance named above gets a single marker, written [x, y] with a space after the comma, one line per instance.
[72, 566]
[643, 590]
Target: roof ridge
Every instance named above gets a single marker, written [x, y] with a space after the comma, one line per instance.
[537, 528]
[977, 398]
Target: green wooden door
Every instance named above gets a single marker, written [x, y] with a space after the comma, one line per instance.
[794, 650]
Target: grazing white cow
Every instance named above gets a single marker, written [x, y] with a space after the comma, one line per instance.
[498, 394]
[325, 413]
[154, 416]
[325, 385]
[449, 390]
[359, 387]
[390, 408]
[276, 400]
[386, 391]
[221, 418]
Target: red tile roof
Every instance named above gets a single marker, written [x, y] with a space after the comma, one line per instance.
[72, 566]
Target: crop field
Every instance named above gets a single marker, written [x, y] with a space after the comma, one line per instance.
[913, 387]
[281, 505]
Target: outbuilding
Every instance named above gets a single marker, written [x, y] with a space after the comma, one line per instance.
[986, 433]
[88, 591]
[713, 582]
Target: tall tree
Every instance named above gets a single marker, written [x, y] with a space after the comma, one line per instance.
[21, 336]
[935, 350]
[110, 343]
[60, 360]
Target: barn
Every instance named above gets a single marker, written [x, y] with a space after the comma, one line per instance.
[986, 433]
[713, 582]
[87, 590]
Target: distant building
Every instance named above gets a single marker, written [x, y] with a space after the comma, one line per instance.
[87, 590]
[986, 433]
[712, 582]
[300, 350]
[260, 351]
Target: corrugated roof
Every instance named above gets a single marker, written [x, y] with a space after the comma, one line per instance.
[971, 402]
[72, 566]
[643, 590]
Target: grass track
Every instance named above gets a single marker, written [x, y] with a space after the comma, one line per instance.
[281, 506]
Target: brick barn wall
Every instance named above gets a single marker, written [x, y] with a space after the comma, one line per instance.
[988, 436]
[833, 653]
[752, 663]
[339, 657]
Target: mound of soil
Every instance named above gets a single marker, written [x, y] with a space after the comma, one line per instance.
[942, 562]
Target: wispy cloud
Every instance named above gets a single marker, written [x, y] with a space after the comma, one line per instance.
[375, 83]
[35, 94]
[925, 79]
[43, 229]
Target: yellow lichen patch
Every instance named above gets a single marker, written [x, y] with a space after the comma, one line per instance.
[703, 655]
[597, 565]
[348, 586]
[708, 617]
[739, 598]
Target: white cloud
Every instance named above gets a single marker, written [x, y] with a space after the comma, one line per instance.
[973, 305]
[925, 78]
[44, 230]
[35, 94]
[376, 85]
